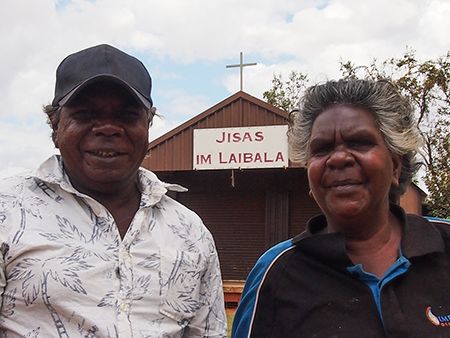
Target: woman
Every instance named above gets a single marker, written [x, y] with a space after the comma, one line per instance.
[364, 268]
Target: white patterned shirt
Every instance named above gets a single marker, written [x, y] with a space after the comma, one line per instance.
[65, 271]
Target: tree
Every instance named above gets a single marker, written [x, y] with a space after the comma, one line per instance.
[437, 178]
[427, 85]
[285, 95]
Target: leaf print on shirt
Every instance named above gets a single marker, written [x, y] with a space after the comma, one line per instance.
[34, 275]
[33, 334]
[8, 305]
[30, 205]
[71, 236]
[130, 294]
[184, 231]
[180, 283]
[151, 262]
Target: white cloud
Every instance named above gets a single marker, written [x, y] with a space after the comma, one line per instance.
[310, 36]
[23, 147]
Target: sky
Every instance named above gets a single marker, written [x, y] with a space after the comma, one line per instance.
[186, 46]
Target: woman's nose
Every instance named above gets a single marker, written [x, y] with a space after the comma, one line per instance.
[340, 158]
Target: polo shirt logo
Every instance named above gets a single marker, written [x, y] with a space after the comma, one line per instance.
[437, 320]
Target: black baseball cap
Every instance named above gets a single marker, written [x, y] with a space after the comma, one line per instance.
[102, 62]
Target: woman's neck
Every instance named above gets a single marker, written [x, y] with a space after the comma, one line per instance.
[377, 252]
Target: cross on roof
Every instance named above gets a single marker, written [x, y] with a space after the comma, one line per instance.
[241, 65]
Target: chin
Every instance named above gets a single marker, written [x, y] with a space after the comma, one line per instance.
[347, 211]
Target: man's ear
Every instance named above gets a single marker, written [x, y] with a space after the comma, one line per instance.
[54, 123]
[397, 161]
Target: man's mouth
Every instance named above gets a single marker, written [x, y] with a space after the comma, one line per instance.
[104, 153]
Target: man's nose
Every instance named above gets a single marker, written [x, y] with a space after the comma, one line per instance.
[107, 126]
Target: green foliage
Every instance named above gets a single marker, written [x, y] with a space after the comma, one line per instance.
[426, 84]
[285, 95]
[437, 178]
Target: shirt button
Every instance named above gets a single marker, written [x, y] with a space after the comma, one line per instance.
[125, 255]
[124, 307]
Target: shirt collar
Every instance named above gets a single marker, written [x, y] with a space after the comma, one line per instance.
[419, 237]
[152, 189]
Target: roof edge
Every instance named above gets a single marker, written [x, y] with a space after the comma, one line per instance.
[237, 96]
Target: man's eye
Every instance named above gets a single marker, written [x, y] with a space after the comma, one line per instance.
[83, 115]
[130, 115]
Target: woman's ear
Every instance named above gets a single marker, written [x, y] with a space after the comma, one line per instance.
[397, 161]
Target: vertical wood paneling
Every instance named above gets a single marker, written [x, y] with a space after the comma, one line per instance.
[236, 221]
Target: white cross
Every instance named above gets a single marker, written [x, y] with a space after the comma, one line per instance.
[242, 65]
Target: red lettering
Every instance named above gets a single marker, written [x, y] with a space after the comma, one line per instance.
[279, 157]
[236, 137]
[248, 157]
[220, 159]
[266, 159]
[222, 140]
[247, 136]
[237, 158]
[202, 159]
[259, 136]
[232, 158]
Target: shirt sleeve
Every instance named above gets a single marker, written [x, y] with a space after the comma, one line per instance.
[244, 314]
[2, 275]
[210, 320]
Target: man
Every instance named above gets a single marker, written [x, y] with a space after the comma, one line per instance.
[90, 244]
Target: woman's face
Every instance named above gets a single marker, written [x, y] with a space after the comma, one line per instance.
[350, 168]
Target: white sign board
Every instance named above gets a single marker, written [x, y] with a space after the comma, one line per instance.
[245, 147]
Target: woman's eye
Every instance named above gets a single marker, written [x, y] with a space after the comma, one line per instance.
[321, 150]
[361, 145]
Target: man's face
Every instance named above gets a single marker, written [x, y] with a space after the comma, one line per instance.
[103, 137]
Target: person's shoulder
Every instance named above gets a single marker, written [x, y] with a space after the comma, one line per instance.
[258, 275]
[149, 180]
[277, 250]
[267, 259]
[437, 220]
[442, 225]
[15, 183]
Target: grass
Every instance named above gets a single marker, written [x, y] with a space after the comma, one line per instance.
[230, 316]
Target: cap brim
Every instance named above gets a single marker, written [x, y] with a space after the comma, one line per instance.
[73, 93]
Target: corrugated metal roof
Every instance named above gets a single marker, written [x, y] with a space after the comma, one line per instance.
[173, 151]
